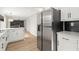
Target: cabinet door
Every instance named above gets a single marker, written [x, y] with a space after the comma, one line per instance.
[1, 43]
[69, 13]
[1, 46]
[69, 44]
[74, 13]
[78, 44]
[65, 13]
[20, 34]
[11, 36]
[60, 46]
[4, 42]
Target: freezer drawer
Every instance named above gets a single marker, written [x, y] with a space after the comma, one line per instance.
[47, 33]
[47, 45]
[47, 39]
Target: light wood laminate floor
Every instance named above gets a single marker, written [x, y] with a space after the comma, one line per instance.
[28, 44]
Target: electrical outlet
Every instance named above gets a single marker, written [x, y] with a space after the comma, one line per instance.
[72, 24]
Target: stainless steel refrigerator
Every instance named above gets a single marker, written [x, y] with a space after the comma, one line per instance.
[50, 25]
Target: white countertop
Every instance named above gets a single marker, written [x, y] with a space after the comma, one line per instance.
[5, 30]
[69, 33]
[2, 33]
[11, 28]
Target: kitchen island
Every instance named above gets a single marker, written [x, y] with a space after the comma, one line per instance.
[9, 35]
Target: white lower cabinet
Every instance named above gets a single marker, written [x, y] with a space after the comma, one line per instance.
[1, 46]
[10, 36]
[59, 43]
[15, 34]
[3, 42]
[67, 43]
[78, 44]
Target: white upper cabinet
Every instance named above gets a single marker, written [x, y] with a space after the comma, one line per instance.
[17, 34]
[64, 13]
[74, 12]
[69, 13]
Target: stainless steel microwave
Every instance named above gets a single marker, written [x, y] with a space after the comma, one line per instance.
[71, 26]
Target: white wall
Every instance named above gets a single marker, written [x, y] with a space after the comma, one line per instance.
[31, 24]
[19, 11]
[38, 18]
[2, 25]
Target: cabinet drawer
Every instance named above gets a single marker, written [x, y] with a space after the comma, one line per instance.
[66, 43]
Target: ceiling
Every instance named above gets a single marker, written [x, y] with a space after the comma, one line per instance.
[20, 12]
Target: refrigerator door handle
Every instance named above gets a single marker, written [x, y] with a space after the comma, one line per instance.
[57, 43]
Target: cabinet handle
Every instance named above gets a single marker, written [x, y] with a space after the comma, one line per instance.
[6, 38]
[69, 15]
[65, 38]
[2, 45]
[57, 42]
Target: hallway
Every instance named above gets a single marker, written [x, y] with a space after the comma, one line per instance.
[28, 44]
